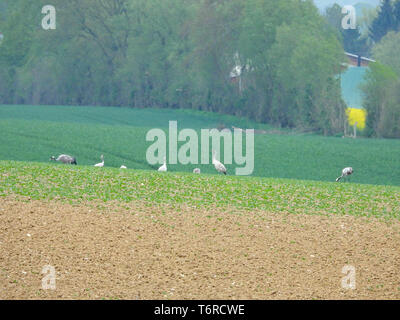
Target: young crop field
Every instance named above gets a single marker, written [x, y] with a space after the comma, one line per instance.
[34, 133]
[81, 184]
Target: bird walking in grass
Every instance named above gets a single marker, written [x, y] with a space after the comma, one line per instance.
[218, 165]
[163, 168]
[196, 170]
[100, 164]
[123, 167]
[345, 173]
[64, 158]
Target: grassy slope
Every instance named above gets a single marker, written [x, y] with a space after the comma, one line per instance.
[154, 118]
[77, 184]
[34, 133]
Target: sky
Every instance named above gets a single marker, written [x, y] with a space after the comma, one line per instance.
[322, 4]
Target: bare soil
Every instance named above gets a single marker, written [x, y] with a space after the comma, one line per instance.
[137, 251]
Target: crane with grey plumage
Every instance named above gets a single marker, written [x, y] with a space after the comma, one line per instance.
[64, 158]
[346, 172]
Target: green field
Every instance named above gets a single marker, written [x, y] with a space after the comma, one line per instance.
[81, 184]
[34, 133]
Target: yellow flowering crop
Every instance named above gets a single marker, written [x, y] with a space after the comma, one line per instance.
[358, 115]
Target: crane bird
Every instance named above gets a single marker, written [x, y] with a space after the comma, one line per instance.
[100, 164]
[218, 165]
[123, 167]
[163, 168]
[197, 170]
[345, 173]
[64, 158]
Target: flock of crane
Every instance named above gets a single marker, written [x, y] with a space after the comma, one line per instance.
[64, 158]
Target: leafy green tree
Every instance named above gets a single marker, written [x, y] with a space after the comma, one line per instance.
[381, 90]
[384, 22]
[387, 51]
[351, 39]
[353, 42]
[177, 54]
[381, 102]
[295, 60]
[334, 16]
[396, 14]
[16, 45]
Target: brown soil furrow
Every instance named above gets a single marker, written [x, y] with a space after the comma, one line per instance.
[139, 252]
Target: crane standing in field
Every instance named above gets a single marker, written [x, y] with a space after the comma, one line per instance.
[163, 168]
[345, 173]
[100, 164]
[218, 165]
[64, 158]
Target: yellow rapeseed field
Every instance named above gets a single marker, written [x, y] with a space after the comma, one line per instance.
[356, 115]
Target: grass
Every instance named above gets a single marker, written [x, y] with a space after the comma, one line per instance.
[78, 184]
[34, 133]
[144, 118]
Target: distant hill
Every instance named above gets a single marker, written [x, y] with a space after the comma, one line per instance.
[360, 7]
[322, 4]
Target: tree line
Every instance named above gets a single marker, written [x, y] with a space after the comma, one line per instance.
[177, 54]
[382, 87]
[272, 61]
[378, 36]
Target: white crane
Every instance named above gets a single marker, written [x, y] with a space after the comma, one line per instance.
[123, 167]
[100, 164]
[64, 158]
[345, 173]
[163, 168]
[218, 165]
[196, 170]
